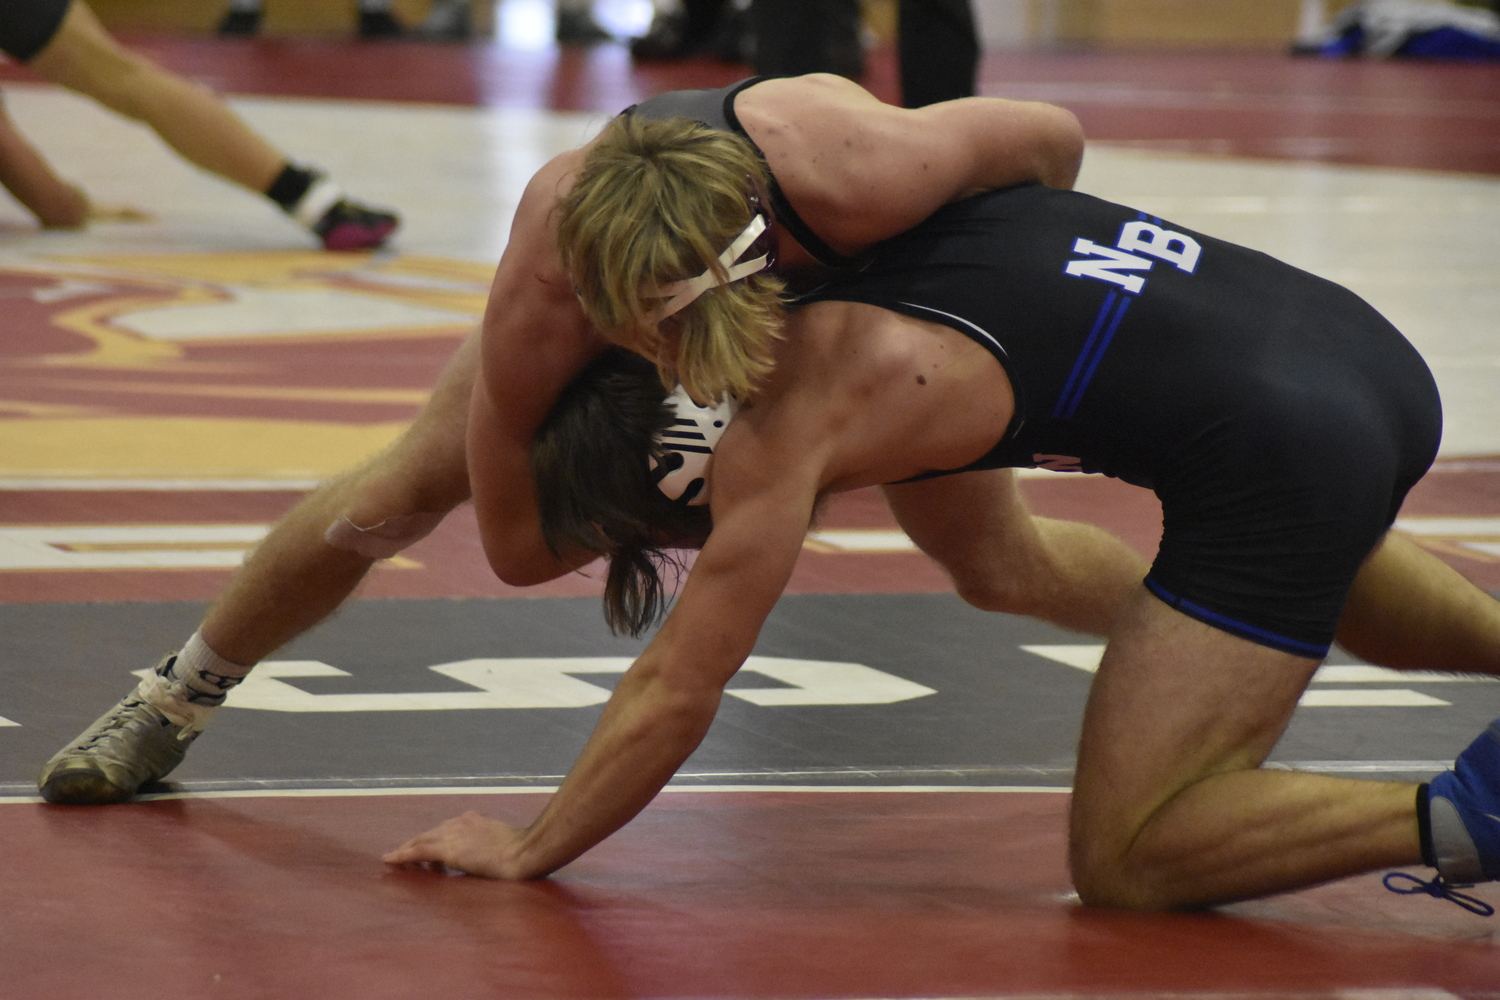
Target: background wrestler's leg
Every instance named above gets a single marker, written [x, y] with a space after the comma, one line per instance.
[1410, 610]
[1003, 558]
[1169, 806]
[190, 118]
[204, 130]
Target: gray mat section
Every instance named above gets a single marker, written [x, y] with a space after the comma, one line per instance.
[1000, 715]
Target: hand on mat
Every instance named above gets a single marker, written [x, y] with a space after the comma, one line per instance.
[471, 843]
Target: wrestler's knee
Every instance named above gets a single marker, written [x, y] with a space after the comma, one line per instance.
[82, 57]
[1020, 580]
[991, 589]
[1105, 874]
[384, 538]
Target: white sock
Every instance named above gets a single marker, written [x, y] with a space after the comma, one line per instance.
[323, 195]
[194, 685]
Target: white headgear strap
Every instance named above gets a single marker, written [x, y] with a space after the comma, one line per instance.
[680, 293]
[693, 434]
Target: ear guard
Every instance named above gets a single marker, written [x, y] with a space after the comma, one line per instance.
[756, 238]
[682, 472]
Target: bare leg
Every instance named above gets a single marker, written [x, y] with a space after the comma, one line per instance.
[1410, 610]
[1169, 806]
[27, 176]
[1002, 558]
[294, 579]
[189, 118]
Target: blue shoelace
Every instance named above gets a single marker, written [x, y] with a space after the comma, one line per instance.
[1440, 889]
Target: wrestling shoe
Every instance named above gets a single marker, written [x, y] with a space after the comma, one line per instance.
[125, 748]
[1463, 808]
[349, 225]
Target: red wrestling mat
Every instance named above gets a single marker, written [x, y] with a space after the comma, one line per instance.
[722, 894]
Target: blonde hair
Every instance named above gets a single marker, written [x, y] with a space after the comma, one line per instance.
[656, 202]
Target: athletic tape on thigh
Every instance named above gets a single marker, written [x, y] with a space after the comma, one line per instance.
[383, 540]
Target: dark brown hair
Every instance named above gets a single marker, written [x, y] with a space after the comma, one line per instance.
[596, 490]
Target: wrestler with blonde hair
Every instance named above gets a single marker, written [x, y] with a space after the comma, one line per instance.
[657, 202]
[833, 171]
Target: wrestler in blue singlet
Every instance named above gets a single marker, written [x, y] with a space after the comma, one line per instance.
[1280, 418]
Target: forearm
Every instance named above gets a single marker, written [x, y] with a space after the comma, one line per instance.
[646, 732]
[1031, 141]
[510, 530]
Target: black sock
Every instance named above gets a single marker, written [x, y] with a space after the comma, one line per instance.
[290, 185]
[1424, 828]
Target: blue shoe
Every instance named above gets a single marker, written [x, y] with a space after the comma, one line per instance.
[1464, 811]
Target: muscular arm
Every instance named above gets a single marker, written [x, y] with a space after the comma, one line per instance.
[844, 410]
[535, 339]
[860, 171]
[768, 471]
[664, 704]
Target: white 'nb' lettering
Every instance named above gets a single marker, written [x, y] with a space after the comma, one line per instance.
[1115, 264]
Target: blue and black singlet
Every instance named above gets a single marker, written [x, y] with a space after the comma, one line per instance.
[1280, 418]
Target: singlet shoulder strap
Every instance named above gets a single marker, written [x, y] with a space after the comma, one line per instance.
[780, 207]
[695, 104]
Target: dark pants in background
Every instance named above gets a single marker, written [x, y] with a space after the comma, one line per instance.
[938, 46]
[937, 42]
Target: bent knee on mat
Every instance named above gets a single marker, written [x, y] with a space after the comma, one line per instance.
[1112, 881]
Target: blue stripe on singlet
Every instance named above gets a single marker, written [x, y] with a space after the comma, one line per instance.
[1105, 325]
[1103, 331]
[1258, 635]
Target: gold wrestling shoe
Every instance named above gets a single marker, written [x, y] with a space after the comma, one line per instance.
[126, 747]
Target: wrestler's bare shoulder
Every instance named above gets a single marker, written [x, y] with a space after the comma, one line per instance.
[888, 396]
[531, 250]
[795, 95]
[553, 180]
[798, 117]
